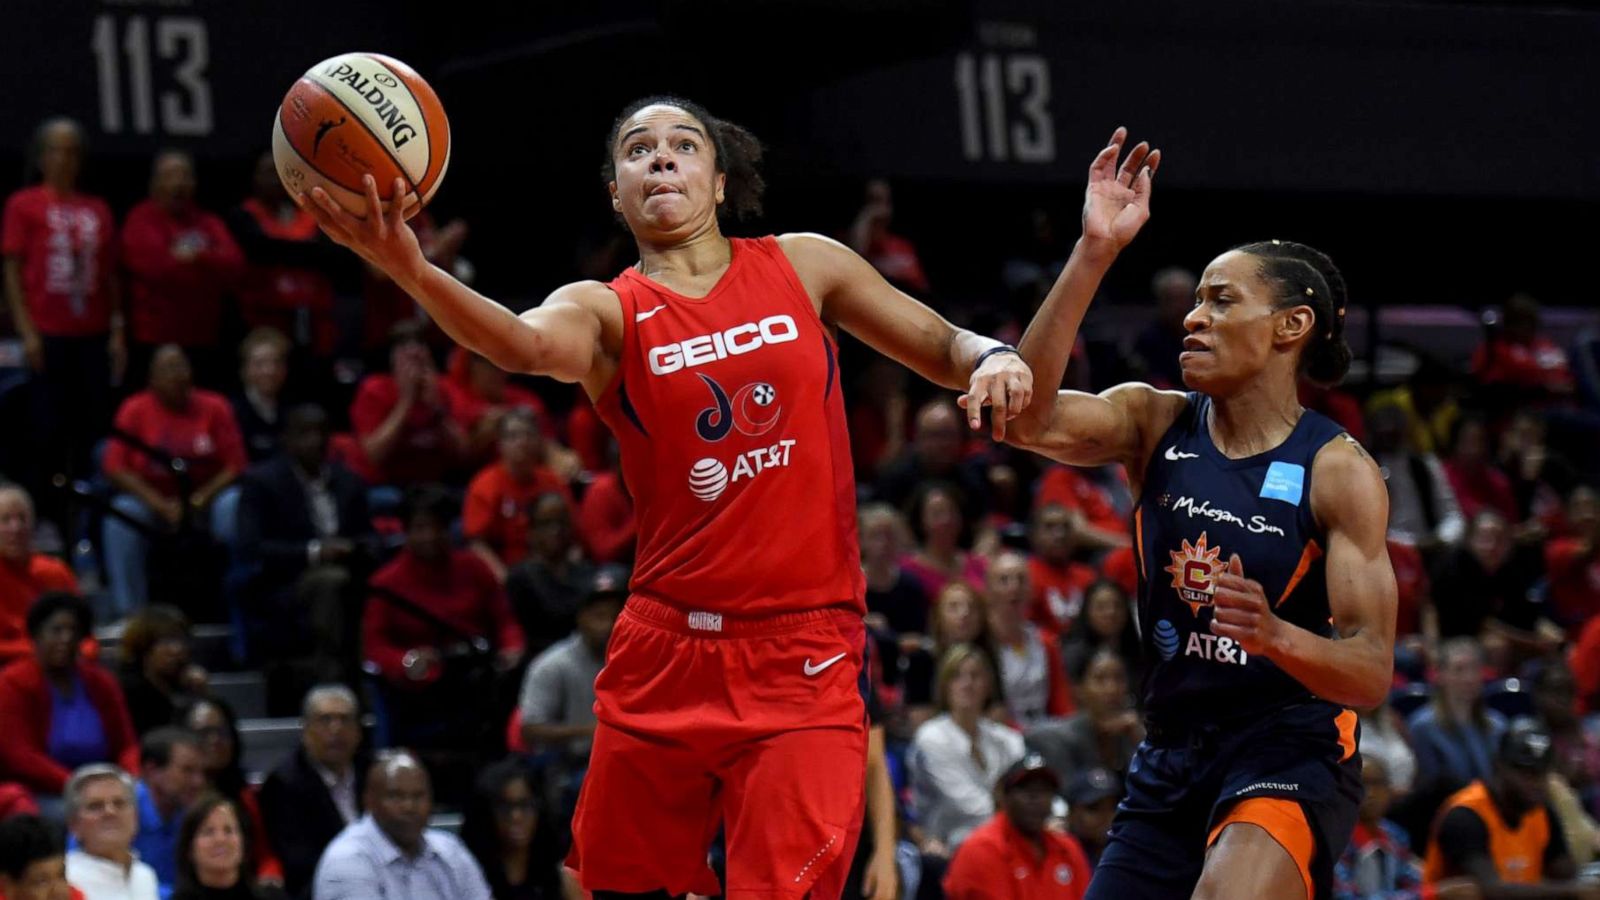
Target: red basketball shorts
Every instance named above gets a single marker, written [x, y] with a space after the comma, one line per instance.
[704, 720]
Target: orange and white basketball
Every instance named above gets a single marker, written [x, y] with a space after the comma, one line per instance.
[361, 113]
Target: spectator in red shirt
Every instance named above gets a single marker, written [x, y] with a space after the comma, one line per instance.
[1058, 580]
[24, 574]
[1016, 855]
[1520, 361]
[481, 394]
[185, 422]
[499, 498]
[57, 710]
[1477, 481]
[64, 297]
[289, 284]
[1584, 658]
[426, 693]
[892, 255]
[180, 261]
[1099, 525]
[1573, 562]
[403, 417]
[605, 515]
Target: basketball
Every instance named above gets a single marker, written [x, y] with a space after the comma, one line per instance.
[361, 113]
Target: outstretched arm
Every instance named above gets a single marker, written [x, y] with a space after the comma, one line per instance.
[852, 295]
[561, 338]
[1356, 667]
[1072, 426]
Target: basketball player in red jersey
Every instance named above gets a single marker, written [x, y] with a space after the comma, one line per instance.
[732, 691]
[1266, 599]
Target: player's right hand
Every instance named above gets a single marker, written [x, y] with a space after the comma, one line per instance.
[383, 240]
[1116, 204]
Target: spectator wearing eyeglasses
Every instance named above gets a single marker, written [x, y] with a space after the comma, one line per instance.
[513, 834]
[315, 792]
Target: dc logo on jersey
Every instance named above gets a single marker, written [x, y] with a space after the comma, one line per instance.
[1166, 637]
[1193, 570]
[747, 411]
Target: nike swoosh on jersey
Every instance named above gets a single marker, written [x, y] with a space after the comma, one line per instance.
[1174, 454]
[812, 670]
[640, 317]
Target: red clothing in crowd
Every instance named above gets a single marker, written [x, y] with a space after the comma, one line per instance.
[467, 406]
[422, 453]
[1119, 566]
[1336, 405]
[1482, 487]
[1538, 364]
[19, 587]
[1057, 593]
[587, 435]
[605, 520]
[205, 433]
[996, 862]
[275, 295]
[1574, 577]
[498, 508]
[1074, 490]
[1584, 658]
[25, 709]
[172, 300]
[65, 247]
[1412, 586]
[896, 258]
[383, 304]
[462, 592]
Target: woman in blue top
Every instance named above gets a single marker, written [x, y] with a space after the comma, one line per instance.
[1266, 600]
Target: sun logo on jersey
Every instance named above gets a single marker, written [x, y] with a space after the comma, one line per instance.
[1192, 571]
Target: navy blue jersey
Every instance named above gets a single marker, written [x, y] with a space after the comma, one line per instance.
[1197, 509]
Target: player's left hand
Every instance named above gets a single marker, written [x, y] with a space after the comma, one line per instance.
[1004, 382]
[1240, 610]
[881, 880]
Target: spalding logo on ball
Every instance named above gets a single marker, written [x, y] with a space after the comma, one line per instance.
[362, 113]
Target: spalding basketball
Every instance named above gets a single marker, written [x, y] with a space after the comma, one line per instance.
[356, 114]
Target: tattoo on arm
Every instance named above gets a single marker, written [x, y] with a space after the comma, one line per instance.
[1357, 446]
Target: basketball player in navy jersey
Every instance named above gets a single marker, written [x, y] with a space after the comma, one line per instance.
[1266, 600]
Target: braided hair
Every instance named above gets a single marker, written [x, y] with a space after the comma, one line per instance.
[738, 153]
[1305, 276]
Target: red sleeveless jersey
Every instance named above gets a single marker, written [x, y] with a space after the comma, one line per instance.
[731, 423]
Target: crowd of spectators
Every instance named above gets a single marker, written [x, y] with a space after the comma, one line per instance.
[425, 557]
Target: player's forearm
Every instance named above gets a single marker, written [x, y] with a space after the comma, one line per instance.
[471, 319]
[1354, 671]
[964, 349]
[1047, 344]
[880, 793]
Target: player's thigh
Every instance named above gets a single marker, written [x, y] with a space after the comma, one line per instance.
[1261, 851]
[794, 804]
[646, 815]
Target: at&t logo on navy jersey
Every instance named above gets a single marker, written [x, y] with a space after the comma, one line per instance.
[752, 410]
[1208, 647]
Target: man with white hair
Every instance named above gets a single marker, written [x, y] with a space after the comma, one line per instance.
[103, 818]
[315, 791]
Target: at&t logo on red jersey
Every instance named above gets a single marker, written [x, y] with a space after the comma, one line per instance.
[709, 477]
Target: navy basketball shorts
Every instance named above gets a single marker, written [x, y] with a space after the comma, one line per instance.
[1295, 773]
